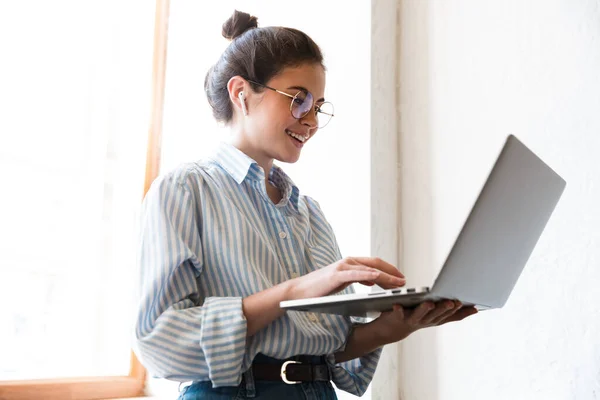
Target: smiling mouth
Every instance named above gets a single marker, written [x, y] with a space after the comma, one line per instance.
[296, 136]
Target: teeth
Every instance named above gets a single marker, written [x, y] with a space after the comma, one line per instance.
[295, 135]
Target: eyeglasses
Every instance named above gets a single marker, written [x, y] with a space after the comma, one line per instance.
[302, 103]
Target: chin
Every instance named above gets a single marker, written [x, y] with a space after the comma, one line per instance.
[289, 158]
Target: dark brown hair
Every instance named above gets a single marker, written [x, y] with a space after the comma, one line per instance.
[256, 54]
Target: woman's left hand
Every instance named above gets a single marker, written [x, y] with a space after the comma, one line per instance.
[399, 323]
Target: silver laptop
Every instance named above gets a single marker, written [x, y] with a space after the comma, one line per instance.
[491, 250]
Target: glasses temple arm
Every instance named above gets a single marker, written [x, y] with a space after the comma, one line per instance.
[273, 89]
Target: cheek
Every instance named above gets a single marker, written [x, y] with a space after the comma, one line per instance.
[287, 117]
[280, 121]
[279, 111]
[274, 117]
[270, 125]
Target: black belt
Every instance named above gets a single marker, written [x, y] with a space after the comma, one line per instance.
[291, 372]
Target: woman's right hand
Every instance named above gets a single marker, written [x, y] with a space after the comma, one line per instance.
[341, 274]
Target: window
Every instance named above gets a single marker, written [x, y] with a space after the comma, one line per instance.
[75, 111]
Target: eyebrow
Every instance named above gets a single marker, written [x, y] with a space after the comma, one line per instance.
[322, 99]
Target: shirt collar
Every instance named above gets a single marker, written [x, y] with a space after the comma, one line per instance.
[237, 164]
[290, 191]
[240, 167]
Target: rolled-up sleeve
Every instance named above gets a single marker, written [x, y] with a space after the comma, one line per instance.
[354, 376]
[180, 334]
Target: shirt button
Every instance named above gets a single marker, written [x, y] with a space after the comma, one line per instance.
[313, 317]
[282, 235]
[294, 275]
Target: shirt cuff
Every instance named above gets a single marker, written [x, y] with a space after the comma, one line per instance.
[354, 376]
[223, 339]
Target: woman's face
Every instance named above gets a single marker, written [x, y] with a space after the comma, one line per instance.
[270, 126]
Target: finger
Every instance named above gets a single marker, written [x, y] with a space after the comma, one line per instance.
[367, 283]
[388, 281]
[384, 279]
[378, 263]
[448, 308]
[442, 309]
[420, 312]
[399, 311]
[357, 275]
[442, 318]
[358, 267]
[460, 315]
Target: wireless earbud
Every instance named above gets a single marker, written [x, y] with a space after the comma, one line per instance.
[242, 97]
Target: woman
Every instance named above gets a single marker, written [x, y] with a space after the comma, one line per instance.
[226, 239]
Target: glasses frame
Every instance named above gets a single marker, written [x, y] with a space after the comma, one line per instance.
[315, 106]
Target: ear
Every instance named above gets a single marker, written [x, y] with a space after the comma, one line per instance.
[238, 89]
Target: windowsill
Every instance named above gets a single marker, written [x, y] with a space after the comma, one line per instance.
[140, 398]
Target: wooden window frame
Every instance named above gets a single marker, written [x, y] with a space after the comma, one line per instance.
[133, 384]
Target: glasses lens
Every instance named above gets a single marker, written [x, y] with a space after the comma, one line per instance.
[324, 114]
[301, 104]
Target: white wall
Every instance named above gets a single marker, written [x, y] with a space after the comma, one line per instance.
[472, 72]
[385, 209]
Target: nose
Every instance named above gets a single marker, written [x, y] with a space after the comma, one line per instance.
[310, 119]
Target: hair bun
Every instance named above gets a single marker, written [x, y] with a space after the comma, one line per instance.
[237, 24]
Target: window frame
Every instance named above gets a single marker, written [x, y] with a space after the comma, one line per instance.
[86, 388]
[133, 384]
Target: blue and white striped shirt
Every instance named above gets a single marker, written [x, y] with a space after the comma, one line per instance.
[211, 236]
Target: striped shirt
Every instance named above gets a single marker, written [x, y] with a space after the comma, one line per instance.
[211, 236]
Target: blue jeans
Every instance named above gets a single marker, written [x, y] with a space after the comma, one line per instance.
[251, 389]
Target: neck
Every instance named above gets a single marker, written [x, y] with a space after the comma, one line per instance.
[266, 163]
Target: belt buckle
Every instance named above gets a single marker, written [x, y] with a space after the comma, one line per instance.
[284, 372]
